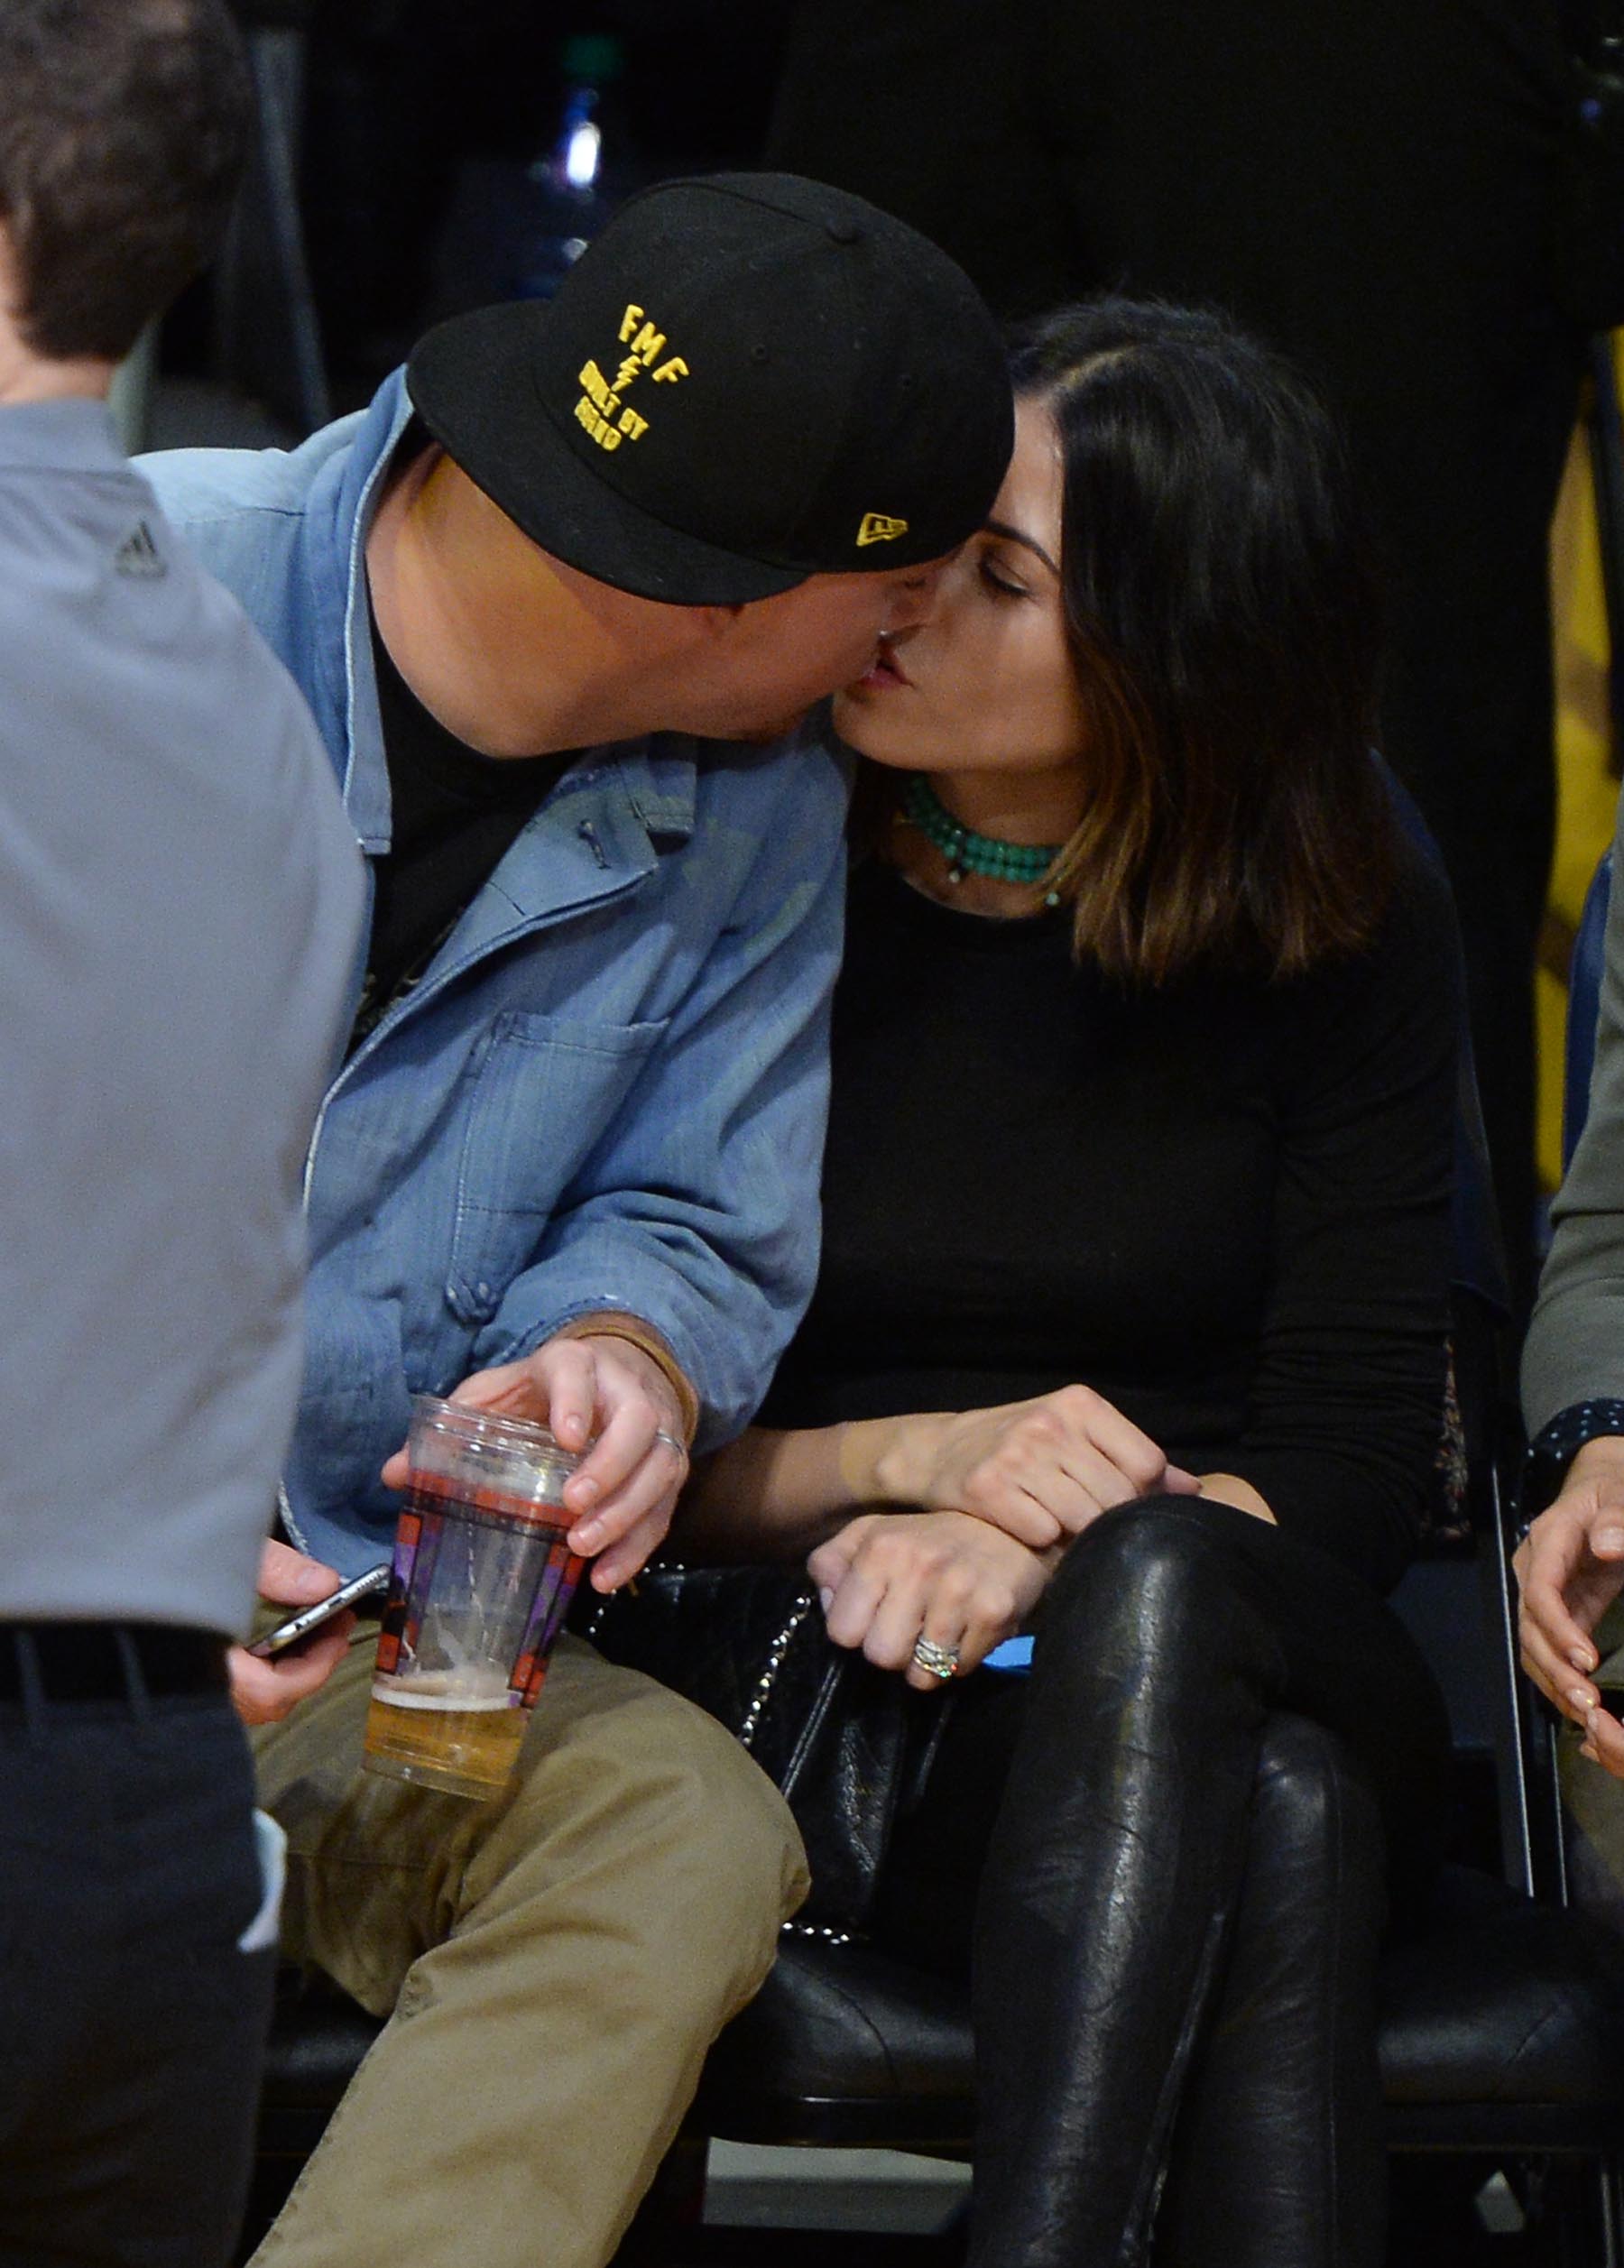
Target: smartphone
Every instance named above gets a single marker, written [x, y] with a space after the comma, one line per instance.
[310, 1618]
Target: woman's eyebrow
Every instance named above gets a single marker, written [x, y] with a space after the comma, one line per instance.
[1013, 535]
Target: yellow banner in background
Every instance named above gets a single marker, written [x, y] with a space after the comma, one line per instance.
[1587, 792]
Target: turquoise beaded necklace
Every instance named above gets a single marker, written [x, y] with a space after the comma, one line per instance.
[967, 852]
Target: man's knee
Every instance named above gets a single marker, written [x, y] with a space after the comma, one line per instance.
[723, 1819]
[745, 1861]
[633, 1814]
[637, 1787]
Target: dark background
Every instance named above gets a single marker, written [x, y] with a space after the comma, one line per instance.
[421, 119]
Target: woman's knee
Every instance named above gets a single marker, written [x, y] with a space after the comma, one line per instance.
[1145, 1565]
[1146, 1614]
[1316, 1817]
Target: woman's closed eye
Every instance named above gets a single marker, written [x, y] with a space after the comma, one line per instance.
[1003, 585]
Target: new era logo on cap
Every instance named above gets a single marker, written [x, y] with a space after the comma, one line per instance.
[878, 529]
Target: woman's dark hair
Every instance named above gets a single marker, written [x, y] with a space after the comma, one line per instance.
[1222, 615]
[123, 127]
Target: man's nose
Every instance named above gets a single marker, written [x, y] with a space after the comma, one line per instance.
[915, 603]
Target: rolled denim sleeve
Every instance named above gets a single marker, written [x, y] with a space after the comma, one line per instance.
[698, 1209]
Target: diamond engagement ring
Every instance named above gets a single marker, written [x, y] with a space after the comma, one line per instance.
[938, 1661]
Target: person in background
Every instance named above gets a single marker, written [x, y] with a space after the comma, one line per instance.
[180, 897]
[550, 599]
[1132, 1316]
[1570, 1565]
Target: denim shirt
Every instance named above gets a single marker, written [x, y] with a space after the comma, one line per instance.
[609, 1088]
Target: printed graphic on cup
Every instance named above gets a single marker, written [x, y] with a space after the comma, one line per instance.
[483, 1577]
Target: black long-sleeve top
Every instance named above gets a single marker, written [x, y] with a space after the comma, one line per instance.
[1222, 1204]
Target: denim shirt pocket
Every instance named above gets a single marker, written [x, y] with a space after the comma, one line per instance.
[545, 1090]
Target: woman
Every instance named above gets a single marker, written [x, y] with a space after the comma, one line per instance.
[1133, 1309]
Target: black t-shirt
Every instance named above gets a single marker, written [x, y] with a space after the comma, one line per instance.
[1222, 1204]
[454, 813]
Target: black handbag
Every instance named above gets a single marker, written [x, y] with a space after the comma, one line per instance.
[847, 1744]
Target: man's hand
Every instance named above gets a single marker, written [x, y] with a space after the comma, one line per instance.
[1570, 1569]
[609, 1393]
[1040, 1470]
[263, 1693]
[890, 1578]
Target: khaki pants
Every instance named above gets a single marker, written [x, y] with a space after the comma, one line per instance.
[556, 1962]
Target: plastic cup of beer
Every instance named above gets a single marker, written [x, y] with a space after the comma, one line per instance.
[481, 1580]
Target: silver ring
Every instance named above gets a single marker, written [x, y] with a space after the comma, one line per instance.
[671, 1441]
[937, 1661]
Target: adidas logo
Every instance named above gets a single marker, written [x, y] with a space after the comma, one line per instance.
[139, 555]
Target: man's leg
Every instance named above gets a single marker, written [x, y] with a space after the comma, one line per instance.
[557, 1962]
[134, 2023]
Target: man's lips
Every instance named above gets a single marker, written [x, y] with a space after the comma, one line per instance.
[884, 670]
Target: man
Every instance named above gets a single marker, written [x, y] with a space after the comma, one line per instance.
[179, 901]
[548, 598]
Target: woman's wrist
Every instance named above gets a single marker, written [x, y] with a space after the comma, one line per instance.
[1602, 1455]
[887, 1460]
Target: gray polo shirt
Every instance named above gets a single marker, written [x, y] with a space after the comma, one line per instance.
[179, 900]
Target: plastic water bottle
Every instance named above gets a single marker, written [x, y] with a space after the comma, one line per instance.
[567, 205]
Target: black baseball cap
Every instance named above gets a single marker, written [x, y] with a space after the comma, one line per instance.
[745, 380]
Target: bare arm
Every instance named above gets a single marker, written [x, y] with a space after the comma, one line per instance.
[767, 1495]
[1040, 1470]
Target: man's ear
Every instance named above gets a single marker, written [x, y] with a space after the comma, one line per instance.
[11, 281]
[15, 353]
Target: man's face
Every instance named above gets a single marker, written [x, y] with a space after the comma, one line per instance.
[779, 656]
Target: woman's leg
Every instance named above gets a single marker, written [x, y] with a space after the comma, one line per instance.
[1279, 2153]
[1171, 1632]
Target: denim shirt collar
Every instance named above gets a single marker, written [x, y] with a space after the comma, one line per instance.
[639, 788]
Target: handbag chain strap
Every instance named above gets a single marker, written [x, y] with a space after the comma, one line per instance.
[759, 1698]
[776, 1652]
[764, 1684]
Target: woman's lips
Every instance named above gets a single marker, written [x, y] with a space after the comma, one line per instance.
[882, 672]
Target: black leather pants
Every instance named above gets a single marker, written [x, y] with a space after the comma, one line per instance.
[1182, 1895]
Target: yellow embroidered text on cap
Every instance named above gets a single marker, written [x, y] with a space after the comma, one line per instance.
[600, 409]
[878, 529]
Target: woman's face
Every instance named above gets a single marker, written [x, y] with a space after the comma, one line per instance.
[985, 685]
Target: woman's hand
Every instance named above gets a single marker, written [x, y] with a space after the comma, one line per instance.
[1041, 1469]
[890, 1578]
